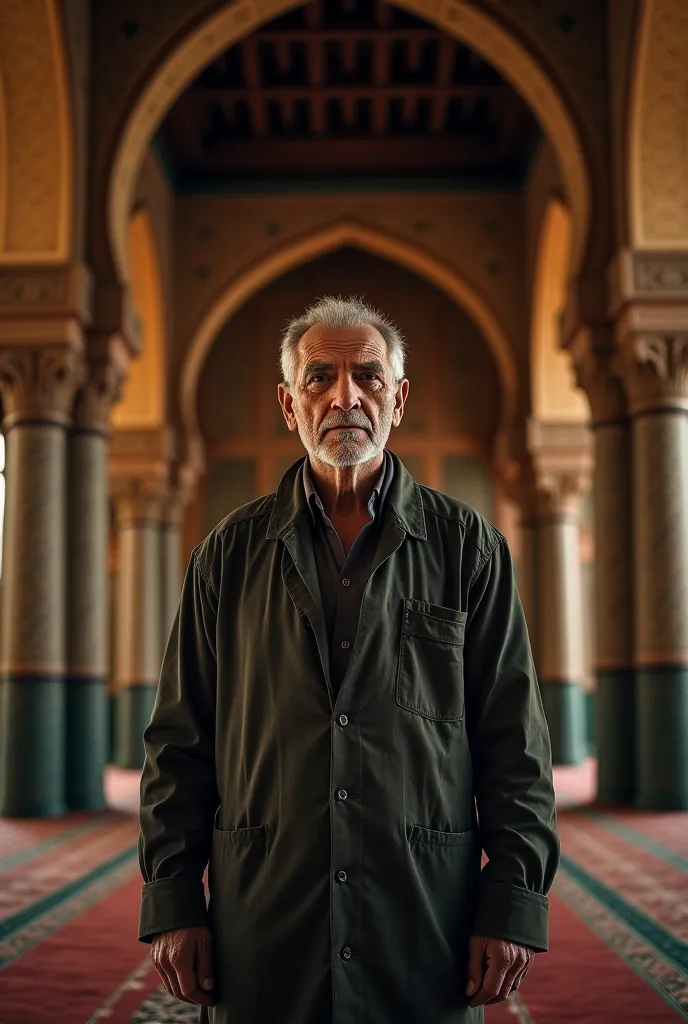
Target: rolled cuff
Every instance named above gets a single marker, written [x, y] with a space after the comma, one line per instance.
[517, 915]
[170, 903]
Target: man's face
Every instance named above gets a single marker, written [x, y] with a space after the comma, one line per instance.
[344, 399]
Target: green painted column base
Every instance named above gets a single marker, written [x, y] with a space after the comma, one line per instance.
[134, 706]
[616, 754]
[112, 727]
[590, 698]
[565, 711]
[32, 746]
[86, 722]
[662, 738]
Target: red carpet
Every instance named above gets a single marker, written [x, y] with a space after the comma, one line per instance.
[69, 897]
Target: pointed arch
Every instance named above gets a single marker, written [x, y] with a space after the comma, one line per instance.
[458, 18]
[328, 239]
[658, 128]
[37, 181]
[143, 404]
[553, 394]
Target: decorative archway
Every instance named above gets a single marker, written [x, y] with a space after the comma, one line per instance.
[553, 393]
[36, 136]
[658, 127]
[143, 404]
[457, 18]
[328, 239]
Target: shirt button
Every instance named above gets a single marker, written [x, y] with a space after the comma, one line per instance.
[341, 876]
[342, 794]
[343, 720]
[345, 953]
[346, 583]
[345, 644]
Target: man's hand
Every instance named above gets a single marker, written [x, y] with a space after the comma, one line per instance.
[495, 968]
[183, 959]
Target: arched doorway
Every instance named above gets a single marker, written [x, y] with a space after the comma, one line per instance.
[458, 19]
[447, 437]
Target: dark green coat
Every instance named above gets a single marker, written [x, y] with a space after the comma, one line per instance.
[343, 838]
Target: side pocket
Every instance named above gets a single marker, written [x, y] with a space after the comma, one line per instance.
[434, 838]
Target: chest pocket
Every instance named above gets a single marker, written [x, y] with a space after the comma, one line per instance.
[430, 671]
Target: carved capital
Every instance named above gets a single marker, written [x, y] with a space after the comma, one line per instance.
[138, 500]
[562, 460]
[593, 359]
[108, 368]
[559, 491]
[654, 365]
[180, 494]
[39, 382]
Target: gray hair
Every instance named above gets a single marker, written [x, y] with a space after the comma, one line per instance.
[338, 313]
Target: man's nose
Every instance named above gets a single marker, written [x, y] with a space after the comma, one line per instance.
[347, 394]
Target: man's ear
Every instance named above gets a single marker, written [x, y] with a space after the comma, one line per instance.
[287, 404]
[400, 401]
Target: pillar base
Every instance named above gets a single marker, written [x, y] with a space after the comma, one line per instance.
[86, 720]
[112, 727]
[565, 711]
[590, 698]
[134, 707]
[32, 746]
[616, 736]
[662, 738]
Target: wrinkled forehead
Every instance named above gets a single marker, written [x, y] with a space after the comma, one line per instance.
[346, 348]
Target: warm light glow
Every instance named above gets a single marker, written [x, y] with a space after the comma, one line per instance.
[143, 402]
[554, 394]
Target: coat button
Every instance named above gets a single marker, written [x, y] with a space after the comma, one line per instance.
[345, 953]
[343, 720]
[346, 583]
[341, 876]
[342, 794]
[345, 644]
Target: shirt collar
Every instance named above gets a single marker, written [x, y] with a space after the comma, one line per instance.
[376, 498]
[404, 500]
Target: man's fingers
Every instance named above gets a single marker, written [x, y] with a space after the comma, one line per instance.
[508, 983]
[204, 961]
[492, 984]
[172, 980]
[524, 971]
[476, 966]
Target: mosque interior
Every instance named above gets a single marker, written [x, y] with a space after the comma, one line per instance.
[508, 181]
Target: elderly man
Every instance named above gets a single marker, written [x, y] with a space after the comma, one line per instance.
[347, 716]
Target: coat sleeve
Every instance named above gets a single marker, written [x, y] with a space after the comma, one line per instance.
[178, 785]
[512, 761]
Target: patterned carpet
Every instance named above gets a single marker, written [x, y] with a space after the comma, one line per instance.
[69, 892]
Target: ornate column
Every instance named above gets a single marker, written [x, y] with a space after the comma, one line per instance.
[38, 383]
[88, 632]
[562, 465]
[171, 546]
[650, 296]
[139, 486]
[655, 368]
[592, 351]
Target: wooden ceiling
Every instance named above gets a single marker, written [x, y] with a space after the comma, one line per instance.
[348, 88]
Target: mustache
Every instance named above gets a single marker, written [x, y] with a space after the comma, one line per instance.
[346, 419]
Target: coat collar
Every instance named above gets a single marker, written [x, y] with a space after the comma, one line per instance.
[404, 500]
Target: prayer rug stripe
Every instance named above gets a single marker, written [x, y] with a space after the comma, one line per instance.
[27, 915]
[589, 976]
[48, 845]
[649, 885]
[667, 945]
[637, 838]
